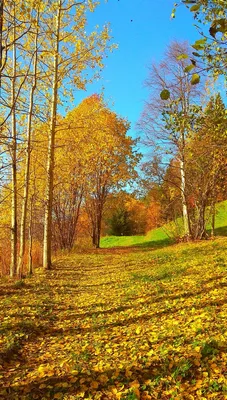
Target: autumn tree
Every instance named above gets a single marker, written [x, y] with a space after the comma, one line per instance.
[69, 182]
[126, 214]
[211, 16]
[73, 52]
[206, 168]
[108, 152]
[16, 21]
[163, 188]
[45, 53]
[34, 50]
[166, 120]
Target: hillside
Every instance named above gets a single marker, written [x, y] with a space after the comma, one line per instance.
[165, 235]
[113, 324]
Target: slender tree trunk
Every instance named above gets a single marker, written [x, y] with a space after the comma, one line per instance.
[185, 109]
[94, 234]
[184, 202]
[213, 218]
[13, 265]
[28, 156]
[200, 231]
[30, 233]
[98, 227]
[50, 157]
[213, 207]
[1, 29]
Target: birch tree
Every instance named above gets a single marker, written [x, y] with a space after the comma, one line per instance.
[15, 23]
[166, 121]
[73, 52]
[14, 217]
[25, 198]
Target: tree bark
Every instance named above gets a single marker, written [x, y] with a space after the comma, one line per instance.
[50, 157]
[213, 219]
[184, 201]
[28, 157]
[13, 265]
[201, 231]
[212, 207]
[1, 29]
[30, 233]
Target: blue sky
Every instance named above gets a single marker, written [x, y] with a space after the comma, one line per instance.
[142, 29]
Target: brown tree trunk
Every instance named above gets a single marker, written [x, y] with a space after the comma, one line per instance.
[213, 218]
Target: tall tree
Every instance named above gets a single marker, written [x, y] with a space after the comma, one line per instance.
[206, 163]
[166, 120]
[1, 36]
[14, 215]
[16, 20]
[73, 51]
[109, 155]
[28, 148]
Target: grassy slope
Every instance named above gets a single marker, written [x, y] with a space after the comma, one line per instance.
[113, 324]
[162, 236]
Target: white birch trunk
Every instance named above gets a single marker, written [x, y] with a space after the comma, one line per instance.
[184, 203]
[13, 264]
[1, 29]
[28, 157]
[30, 233]
[50, 157]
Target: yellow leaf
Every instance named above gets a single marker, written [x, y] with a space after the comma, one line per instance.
[42, 386]
[128, 373]
[58, 396]
[74, 372]
[94, 385]
[138, 330]
[199, 383]
[103, 378]
[134, 384]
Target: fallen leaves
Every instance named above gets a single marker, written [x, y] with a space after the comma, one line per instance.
[141, 325]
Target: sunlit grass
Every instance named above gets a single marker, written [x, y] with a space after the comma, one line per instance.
[165, 235]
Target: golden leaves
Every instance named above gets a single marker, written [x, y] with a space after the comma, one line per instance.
[114, 325]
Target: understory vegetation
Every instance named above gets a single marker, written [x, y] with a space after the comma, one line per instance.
[136, 323]
[169, 233]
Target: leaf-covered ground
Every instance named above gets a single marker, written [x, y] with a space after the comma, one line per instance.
[119, 324]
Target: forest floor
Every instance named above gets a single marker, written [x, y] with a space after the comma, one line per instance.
[130, 323]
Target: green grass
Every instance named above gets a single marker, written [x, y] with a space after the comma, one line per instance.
[221, 219]
[156, 237]
[164, 236]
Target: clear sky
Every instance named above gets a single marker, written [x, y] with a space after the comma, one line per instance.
[142, 29]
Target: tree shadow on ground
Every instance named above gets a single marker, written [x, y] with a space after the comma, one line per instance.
[137, 247]
[221, 231]
[92, 383]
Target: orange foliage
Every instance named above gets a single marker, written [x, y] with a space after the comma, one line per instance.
[153, 215]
